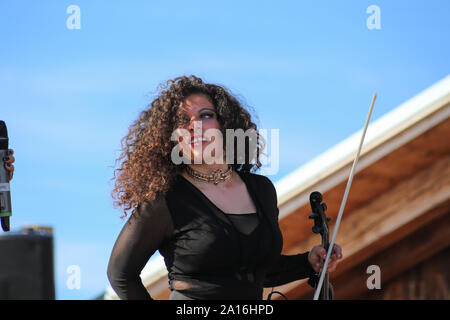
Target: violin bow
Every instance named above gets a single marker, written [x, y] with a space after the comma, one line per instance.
[344, 200]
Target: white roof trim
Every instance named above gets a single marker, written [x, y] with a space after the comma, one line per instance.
[317, 171]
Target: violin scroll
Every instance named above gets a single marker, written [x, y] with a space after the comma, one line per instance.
[318, 213]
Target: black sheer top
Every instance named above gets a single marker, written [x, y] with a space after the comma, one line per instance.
[218, 255]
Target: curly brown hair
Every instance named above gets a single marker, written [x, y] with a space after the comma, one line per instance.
[146, 169]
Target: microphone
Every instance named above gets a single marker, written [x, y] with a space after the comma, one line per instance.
[5, 194]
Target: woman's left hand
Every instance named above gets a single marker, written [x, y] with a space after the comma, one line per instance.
[8, 163]
[318, 254]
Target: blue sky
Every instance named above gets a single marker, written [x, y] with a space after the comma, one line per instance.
[307, 68]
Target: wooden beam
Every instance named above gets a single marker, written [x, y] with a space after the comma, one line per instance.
[401, 256]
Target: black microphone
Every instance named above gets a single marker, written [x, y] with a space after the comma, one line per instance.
[5, 194]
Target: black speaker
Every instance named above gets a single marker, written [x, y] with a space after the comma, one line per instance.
[26, 264]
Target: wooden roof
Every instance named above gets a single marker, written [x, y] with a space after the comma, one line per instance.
[402, 184]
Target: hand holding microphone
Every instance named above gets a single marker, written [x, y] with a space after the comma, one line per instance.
[8, 161]
[6, 174]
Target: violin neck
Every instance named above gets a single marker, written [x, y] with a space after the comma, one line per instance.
[325, 241]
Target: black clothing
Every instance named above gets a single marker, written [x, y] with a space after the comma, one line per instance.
[222, 256]
[244, 223]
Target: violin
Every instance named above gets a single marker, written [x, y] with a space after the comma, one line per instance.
[321, 227]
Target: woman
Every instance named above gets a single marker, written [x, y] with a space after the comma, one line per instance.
[214, 222]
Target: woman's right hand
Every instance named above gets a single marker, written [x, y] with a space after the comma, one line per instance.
[8, 163]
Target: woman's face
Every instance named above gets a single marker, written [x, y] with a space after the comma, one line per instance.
[201, 116]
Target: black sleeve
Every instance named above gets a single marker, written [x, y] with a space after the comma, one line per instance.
[143, 233]
[288, 269]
